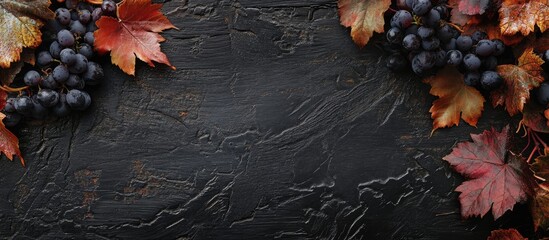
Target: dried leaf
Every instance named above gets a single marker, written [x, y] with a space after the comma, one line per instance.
[470, 7]
[364, 17]
[534, 118]
[541, 167]
[506, 234]
[9, 144]
[518, 81]
[540, 209]
[498, 179]
[20, 22]
[135, 33]
[521, 16]
[455, 99]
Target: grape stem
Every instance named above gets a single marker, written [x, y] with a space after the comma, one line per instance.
[533, 137]
[457, 27]
[10, 89]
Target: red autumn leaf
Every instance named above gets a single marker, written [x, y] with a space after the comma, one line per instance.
[456, 99]
[518, 81]
[498, 179]
[364, 17]
[521, 16]
[505, 234]
[470, 7]
[9, 144]
[134, 33]
[461, 19]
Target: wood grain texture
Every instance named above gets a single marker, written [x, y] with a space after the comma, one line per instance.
[274, 125]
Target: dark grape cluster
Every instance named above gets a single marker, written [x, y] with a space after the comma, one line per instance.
[56, 85]
[426, 40]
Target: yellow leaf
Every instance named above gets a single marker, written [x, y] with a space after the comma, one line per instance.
[20, 22]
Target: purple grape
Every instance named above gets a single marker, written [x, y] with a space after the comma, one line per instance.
[65, 38]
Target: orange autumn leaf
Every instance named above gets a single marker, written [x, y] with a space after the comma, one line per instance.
[521, 16]
[470, 24]
[8, 74]
[363, 17]
[134, 34]
[9, 144]
[20, 23]
[456, 99]
[518, 81]
[505, 234]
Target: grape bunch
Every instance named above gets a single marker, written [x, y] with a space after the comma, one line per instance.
[427, 41]
[56, 85]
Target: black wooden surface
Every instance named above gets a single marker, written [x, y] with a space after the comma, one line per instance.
[274, 126]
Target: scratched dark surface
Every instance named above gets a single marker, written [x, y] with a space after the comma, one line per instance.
[274, 126]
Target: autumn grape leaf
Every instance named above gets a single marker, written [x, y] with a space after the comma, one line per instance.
[470, 7]
[9, 144]
[540, 208]
[540, 204]
[20, 22]
[541, 167]
[497, 178]
[492, 29]
[533, 117]
[8, 74]
[456, 99]
[518, 81]
[523, 15]
[506, 234]
[364, 17]
[135, 33]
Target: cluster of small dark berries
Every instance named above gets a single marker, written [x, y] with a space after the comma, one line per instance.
[56, 85]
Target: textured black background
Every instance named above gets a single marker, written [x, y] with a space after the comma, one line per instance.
[274, 125]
